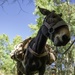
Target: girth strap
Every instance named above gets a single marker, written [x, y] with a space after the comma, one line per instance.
[36, 54]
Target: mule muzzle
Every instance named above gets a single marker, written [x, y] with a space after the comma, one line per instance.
[61, 43]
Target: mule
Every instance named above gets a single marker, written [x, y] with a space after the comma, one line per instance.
[54, 28]
[18, 55]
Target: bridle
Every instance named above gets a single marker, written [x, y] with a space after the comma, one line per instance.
[51, 27]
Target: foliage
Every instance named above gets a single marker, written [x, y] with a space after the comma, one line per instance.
[6, 63]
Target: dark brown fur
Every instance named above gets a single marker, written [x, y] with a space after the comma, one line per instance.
[60, 37]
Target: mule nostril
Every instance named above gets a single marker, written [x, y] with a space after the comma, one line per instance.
[64, 37]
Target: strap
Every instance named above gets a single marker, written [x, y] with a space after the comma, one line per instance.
[36, 54]
[59, 24]
[48, 25]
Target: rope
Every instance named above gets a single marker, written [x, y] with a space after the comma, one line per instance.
[66, 49]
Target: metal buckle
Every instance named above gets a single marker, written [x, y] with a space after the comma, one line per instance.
[51, 30]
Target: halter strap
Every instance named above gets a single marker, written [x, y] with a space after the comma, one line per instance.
[59, 24]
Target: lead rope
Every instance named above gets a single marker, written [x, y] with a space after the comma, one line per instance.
[69, 24]
[66, 49]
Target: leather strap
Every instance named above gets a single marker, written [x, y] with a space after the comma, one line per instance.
[36, 54]
[59, 24]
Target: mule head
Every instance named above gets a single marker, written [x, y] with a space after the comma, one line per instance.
[55, 28]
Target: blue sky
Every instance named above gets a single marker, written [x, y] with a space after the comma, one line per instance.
[12, 23]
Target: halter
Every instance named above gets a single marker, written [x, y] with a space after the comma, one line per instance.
[51, 27]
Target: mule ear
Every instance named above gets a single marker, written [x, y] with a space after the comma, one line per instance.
[60, 14]
[44, 11]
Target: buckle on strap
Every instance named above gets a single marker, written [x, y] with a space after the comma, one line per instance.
[36, 54]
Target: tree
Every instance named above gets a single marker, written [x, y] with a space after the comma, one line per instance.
[7, 66]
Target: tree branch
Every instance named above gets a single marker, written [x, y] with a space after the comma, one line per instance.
[3, 2]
